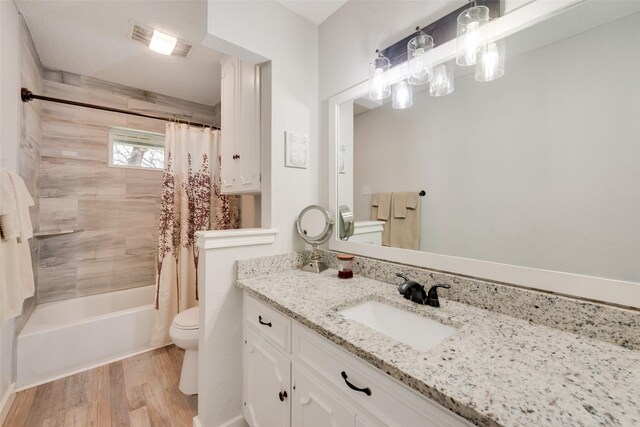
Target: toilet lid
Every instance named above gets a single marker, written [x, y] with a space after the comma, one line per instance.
[187, 319]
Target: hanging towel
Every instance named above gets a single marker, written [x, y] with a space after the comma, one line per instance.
[405, 221]
[381, 211]
[16, 274]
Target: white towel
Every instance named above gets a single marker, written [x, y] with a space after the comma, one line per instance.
[16, 273]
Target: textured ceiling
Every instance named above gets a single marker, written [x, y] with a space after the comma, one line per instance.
[93, 38]
[314, 11]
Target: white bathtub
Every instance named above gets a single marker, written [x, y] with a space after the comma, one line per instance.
[64, 337]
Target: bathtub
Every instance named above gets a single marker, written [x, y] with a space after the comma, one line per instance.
[65, 337]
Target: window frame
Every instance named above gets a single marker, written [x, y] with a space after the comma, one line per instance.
[120, 129]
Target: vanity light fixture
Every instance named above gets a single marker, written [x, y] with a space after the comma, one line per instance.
[419, 68]
[402, 95]
[490, 65]
[472, 34]
[162, 43]
[442, 79]
[379, 87]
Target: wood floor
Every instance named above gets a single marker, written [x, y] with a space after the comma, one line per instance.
[139, 391]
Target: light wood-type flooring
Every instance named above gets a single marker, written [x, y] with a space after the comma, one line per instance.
[139, 391]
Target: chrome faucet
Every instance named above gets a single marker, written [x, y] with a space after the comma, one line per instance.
[415, 292]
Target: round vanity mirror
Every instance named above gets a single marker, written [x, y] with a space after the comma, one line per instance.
[314, 225]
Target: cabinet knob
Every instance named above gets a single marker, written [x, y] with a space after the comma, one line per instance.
[282, 395]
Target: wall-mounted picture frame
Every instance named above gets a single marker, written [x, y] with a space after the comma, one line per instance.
[296, 150]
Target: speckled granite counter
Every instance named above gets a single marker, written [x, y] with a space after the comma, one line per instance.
[495, 370]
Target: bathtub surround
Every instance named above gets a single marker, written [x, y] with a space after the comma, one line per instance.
[603, 322]
[116, 209]
[81, 333]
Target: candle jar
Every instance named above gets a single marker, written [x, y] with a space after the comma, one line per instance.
[345, 266]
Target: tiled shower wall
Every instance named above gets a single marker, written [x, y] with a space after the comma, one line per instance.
[114, 210]
[30, 146]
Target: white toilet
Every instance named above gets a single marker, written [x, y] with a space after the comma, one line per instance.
[184, 334]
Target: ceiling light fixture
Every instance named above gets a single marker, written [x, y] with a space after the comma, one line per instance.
[162, 43]
[379, 87]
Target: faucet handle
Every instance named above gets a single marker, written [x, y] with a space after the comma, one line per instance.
[402, 276]
[432, 295]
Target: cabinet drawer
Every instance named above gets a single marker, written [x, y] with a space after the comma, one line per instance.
[273, 326]
[388, 400]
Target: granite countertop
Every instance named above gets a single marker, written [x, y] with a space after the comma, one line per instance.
[495, 370]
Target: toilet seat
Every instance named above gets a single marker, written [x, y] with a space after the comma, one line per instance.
[188, 319]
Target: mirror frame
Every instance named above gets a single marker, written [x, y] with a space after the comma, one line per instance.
[599, 289]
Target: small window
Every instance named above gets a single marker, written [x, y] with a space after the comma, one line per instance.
[138, 149]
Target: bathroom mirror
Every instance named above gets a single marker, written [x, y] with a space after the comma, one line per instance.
[314, 225]
[530, 179]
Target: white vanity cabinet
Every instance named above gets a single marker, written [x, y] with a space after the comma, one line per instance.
[240, 122]
[328, 387]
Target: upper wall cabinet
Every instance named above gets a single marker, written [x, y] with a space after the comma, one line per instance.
[240, 148]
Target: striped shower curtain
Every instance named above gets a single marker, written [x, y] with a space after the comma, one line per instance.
[191, 201]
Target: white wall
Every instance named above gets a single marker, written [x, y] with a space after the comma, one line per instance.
[258, 31]
[9, 142]
[539, 168]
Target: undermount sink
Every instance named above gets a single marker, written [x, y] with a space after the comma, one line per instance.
[412, 329]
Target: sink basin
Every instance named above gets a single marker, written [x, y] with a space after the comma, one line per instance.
[412, 329]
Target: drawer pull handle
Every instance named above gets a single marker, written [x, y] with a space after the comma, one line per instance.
[282, 395]
[264, 323]
[365, 390]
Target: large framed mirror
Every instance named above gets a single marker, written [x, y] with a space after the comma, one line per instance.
[532, 179]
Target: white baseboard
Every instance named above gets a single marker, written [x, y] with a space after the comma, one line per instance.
[5, 403]
[233, 422]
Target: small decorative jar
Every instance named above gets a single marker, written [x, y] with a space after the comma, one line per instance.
[345, 266]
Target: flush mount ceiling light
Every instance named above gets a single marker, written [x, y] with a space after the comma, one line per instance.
[379, 87]
[472, 34]
[162, 43]
[159, 41]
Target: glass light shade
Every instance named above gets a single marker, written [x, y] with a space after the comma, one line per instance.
[442, 79]
[472, 34]
[490, 65]
[402, 95]
[379, 87]
[419, 68]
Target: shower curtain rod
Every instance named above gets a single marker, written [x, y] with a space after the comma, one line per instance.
[26, 95]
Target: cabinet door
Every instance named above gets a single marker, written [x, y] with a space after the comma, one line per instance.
[248, 140]
[266, 383]
[314, 406]
[228, 122]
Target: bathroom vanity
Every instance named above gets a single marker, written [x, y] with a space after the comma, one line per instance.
[308, 363]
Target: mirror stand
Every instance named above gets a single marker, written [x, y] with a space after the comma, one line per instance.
[314, 265]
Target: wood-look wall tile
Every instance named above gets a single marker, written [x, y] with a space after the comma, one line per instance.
[118, 213]
[82, 94]
[142, 241]
[79, 178]
[58, 214]
[115, 274]
[56, 283]
[143, 184]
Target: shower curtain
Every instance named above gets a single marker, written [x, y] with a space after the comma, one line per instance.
[191, 201]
